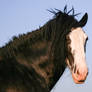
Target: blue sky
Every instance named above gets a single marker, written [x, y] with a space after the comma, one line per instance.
[21, 16]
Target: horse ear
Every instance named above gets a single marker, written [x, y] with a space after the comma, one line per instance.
[83, 21]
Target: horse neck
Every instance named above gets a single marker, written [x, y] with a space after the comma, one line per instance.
[48, 65]
[40, 58]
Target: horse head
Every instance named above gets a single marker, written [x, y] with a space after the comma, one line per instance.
[76, 44]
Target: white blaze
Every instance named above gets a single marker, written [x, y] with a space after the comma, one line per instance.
[78, 38]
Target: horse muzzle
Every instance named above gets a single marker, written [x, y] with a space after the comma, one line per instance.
[80, 77]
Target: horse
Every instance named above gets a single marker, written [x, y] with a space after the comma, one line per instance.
[34, 62]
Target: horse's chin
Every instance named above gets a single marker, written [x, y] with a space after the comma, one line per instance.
[78, 79]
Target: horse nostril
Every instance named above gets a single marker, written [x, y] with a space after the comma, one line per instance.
[78, 72]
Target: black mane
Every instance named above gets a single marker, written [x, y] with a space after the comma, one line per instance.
[55, 29]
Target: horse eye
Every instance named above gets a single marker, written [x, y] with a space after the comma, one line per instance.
[86, 38]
